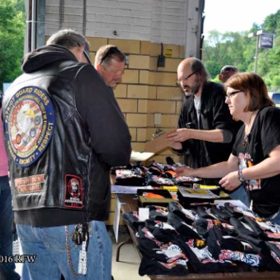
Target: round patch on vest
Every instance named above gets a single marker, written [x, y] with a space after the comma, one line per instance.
[29, 124]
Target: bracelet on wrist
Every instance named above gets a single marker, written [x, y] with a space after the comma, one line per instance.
[241, 176]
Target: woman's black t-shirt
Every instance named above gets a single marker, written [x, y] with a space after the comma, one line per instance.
[251, 150]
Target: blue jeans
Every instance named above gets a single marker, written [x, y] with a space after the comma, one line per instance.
[55, 256]
[6, 229]
[275, 218]
[241, 194]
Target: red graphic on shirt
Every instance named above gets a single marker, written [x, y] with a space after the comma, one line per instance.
[245, 160]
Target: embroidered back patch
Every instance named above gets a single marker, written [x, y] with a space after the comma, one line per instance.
[29, 124]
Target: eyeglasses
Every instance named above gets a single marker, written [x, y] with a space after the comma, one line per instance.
[108, 53]
[186, 77]
[230, 94]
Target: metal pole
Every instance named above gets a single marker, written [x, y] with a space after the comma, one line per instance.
[33, 24]
[257, 53]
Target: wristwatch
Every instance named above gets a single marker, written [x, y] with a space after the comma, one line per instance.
[240, 176]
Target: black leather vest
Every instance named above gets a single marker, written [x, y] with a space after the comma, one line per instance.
[48, 147]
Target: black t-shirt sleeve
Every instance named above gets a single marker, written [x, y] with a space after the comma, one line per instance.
[270, 129]
[110, 137]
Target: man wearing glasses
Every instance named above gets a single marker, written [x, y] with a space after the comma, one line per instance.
[206, 129]
[110, 63]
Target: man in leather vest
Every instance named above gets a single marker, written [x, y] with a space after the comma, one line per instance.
[64, 132]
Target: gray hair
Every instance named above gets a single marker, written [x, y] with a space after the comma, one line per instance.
[68, 38]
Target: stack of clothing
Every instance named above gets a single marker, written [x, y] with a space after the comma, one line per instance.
[156, 174]
[216, 238]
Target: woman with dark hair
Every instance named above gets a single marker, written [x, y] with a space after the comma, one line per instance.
[254, 160]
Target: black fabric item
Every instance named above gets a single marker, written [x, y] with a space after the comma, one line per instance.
[164, 235]
[201, 225]
[230, 210]
[210, 267]
[233, 244]
[214, 238]
[150, 224]
[131, 176]
[143, 233]
[157, 212]
[255, 227]
[156, 260]
[155, 215]
[201, 211]
[272, 256]
[220, 214]
[183, 217]
[155, 169]
[241, 229]
[185, 230]
[253, 241]
[153, 267]
[170, 160]
[132, 220]
[174, 205]
[131, 181]
[149, 248]
[156, 228]
[45, 56]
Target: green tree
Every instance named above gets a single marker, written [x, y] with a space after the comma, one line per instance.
[221, 49]
[12, 28]
[270, 59]
[237, 49]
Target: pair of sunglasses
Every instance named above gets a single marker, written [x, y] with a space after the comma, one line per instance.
[108, 53]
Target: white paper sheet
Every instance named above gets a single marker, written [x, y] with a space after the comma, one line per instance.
[116, 224]
[127, 189]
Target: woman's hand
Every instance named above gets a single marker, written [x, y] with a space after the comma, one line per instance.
[230, 181]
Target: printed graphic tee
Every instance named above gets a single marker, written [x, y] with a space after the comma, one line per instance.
[254, 148]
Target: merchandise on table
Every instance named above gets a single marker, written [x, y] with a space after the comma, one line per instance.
[156, 174]
[217, 238]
